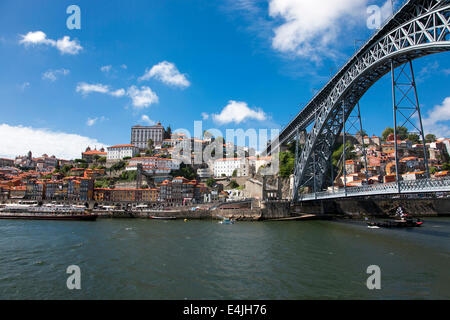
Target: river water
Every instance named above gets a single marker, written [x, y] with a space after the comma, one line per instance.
[147, 259]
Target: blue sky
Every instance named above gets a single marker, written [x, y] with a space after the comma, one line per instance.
[235, 62]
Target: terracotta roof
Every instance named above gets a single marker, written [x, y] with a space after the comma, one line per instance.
[94, 152]
[123, 146]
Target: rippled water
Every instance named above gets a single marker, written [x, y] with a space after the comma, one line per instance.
[145, 259]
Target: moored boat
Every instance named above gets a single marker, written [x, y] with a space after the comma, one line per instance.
[47, 213]
[403, 223]
[227, 221]
[163, 218]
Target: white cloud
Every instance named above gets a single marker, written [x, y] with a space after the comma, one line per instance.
[118, 93]
[309, 28]
[106, 68]
[167, 73]
[143, 97]
[147, 120]
[18, 140]
[24, 85]
[34, 38]
[86, 88]
[205, 116]
[124, 66]
[64, 45]
[436, 120]
[237, 112]
[91, 121]
[52, 75]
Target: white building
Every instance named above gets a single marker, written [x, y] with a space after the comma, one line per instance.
[122, 151]
[152, 163]
[228, 166]
[204, 173]
[141, 134]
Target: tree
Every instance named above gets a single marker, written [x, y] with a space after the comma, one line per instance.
[118, 166]
[337, 154]
[430, 138]
[234, 184]
[414, 138]
[211, 182]
[234, 175]
[362, 133]
[402, 133]
[168, 133]
[128, 176]
[150, 146]
[387, 132]
[286, 163]
[185, 171]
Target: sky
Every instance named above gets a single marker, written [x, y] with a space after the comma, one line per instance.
[229, 63]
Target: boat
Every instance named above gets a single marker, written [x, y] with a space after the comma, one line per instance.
[402, 223]
[24, 212]
[162, 218]
[227, 221]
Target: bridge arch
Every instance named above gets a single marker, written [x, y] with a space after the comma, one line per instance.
[420, 28]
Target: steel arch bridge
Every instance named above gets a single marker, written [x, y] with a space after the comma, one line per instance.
[419, 28]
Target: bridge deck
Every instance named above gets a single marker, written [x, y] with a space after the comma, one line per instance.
[404, 187]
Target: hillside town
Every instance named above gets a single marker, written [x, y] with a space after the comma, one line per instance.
[150, 172]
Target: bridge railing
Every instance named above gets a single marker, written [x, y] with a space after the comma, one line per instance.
[407, 186]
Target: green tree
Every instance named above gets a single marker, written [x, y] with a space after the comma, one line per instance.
[118, 166]
[387, 132]
[402, 133]
[430, 138]
[234, 175]
[185, 171]
[362, 133]
[211, 182]
[234, 184]
[414, 138]
[286, 163]
[337, 154]
[128, 176]
[168, 133]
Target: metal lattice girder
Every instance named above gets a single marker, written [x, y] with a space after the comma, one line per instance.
[407, 187]
[420, 28]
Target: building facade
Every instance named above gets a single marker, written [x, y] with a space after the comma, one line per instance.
[226, 167]
[91, 155]
[141, 134]
[121, 151]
